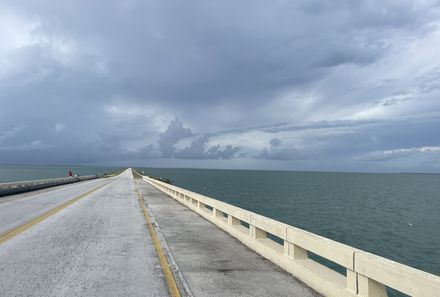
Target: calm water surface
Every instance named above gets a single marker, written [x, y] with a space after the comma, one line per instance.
[393, 215]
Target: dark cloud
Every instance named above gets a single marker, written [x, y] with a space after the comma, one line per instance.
[198, 147]
[305, 81]
[319, 125]
[171, 136]
[275, 142]
[217, 152]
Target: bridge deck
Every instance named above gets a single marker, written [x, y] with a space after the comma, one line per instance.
[90, 239]
[98, 246]
[212, 262]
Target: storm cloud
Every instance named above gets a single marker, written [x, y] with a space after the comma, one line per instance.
[302, 85]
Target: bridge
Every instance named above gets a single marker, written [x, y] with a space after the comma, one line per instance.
[130, 235]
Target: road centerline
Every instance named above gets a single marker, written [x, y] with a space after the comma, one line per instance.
[168, 274]
[27, 225]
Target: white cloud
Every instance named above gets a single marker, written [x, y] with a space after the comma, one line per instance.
[30, 54]
[386, 155]
[15, 31]
[58, 127]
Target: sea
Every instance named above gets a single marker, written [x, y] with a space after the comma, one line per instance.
[394, 215]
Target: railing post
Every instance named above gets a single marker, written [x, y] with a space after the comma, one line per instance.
[217, 213]
[233, 221]
[370, 288]
[295, 252]
[256, 232]
[352, 284]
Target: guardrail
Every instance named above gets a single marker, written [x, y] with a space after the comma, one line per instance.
[367, 275]
[24, 186]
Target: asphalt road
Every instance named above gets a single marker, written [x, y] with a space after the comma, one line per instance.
[98, 246]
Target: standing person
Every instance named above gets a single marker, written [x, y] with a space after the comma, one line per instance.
[70, 173]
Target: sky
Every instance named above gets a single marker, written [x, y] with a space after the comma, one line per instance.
[283, 85]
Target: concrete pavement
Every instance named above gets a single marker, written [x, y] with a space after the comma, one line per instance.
[98, 246]
[17, 209]
[212, 262]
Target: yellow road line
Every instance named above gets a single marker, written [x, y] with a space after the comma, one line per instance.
[168, 274]
[23, 227]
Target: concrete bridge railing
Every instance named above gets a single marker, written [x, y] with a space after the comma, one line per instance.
[24, 186]
[367, 275]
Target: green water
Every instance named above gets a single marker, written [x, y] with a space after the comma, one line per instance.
[11, 173]
[393, 215]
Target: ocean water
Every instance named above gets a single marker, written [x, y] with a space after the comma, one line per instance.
[396, 216]
[11, 173]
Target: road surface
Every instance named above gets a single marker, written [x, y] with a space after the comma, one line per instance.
[97, 246]
[90, 239]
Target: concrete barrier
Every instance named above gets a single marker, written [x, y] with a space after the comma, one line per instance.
[25, 186]
[366, 275]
